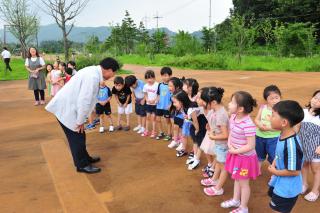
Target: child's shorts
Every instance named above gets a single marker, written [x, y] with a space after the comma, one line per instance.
[266, 146]
[127, 110]
[221, 151]
[186, 128]
[163, 113]
[106, 109]
[281, 204]
[140, 109]
[151, 109]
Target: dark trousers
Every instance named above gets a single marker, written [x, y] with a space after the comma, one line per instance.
[36, 94]
[77, 144]
[7, 62]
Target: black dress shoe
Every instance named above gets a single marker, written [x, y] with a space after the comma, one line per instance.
[89, 169]
[94, 159]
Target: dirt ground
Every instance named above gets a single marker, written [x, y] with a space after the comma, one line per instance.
[138, 174]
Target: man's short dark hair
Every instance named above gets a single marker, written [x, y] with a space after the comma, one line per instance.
[130, 80]
[289, 110]
[110, 63]
[5, 48]
[118, 80]
[166, 70]
[149, 74]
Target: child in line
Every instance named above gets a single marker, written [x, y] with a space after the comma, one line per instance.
[286, 181]
[191, 87]
[175, 85]
[137, 87]
[207, 145]
[310, 138]
[103, 106]
[219, 121]
[123, 97]
[163, 105]
[150, 92]
[181, 103]
[72, 65]
[56, 79]
[242, 161]
[49, 68]
[64, 75]
[266, 137]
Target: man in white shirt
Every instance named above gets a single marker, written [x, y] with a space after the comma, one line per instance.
[73, 104]
[6, 55]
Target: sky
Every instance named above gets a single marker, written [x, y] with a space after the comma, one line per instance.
[189, 15]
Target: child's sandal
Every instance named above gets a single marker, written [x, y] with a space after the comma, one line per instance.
[153, 135]
[211, 191]
[208, 182]
[230, 203]
[311, 197]
[240, 210]
[145, 134]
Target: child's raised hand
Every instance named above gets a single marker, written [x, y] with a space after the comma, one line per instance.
[318, 150]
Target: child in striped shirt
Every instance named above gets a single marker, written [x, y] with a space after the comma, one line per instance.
[242, 161]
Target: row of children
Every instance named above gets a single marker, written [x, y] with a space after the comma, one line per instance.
[58, 75]
[284, 133]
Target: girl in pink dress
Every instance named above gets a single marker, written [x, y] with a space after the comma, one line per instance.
[56, 79]
[242, 161]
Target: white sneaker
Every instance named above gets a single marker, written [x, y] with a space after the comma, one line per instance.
[137, 128]
[111, 128]
[141, 130]
[180, 147]
[190, 161]
[101, 129]
[173, 144]
[194, 165]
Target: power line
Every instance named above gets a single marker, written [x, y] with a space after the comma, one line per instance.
[179, 8]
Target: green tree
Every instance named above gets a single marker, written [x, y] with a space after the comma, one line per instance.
[184, 43]
[143, 40]
[92, 45]
[128, 33]
[159, 42]
[209, 39]
[241, 36]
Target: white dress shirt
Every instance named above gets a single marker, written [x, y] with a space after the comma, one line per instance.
[6, 54]
[77, 99]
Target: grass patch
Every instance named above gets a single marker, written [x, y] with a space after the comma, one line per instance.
[229, 62]
[20, 73]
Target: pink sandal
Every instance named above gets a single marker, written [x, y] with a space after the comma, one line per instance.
[212, 191]
[153, 134]
[208, 182]
[145, 134]
[240, 210]
[230, 203]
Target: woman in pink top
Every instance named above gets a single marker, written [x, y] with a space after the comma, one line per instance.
[242, 161]
[56, 79]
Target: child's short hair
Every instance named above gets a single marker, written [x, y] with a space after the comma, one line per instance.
[290, 110]
[69, 71]
[193, 83]
[118, 80]
[130, 80]
[182, 97]
[269, 89]
[209, 94]
[316, 111]
[63, 64]
[166, 70]
[245, 100]
[149, 74]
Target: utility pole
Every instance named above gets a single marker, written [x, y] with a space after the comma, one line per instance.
[210, 14]
[157, 17]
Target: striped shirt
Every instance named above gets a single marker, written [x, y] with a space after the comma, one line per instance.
[240, 130]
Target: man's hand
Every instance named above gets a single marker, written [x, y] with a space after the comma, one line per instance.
[272, 169]
[80, 128]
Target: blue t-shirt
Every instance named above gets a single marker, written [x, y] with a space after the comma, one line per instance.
[138, 91]
[104, 93]
[164, 96]
[288, 156]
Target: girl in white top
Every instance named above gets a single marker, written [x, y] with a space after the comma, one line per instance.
[150, 91]
[310, 138]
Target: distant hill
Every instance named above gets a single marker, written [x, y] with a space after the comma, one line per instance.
[80, 34]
